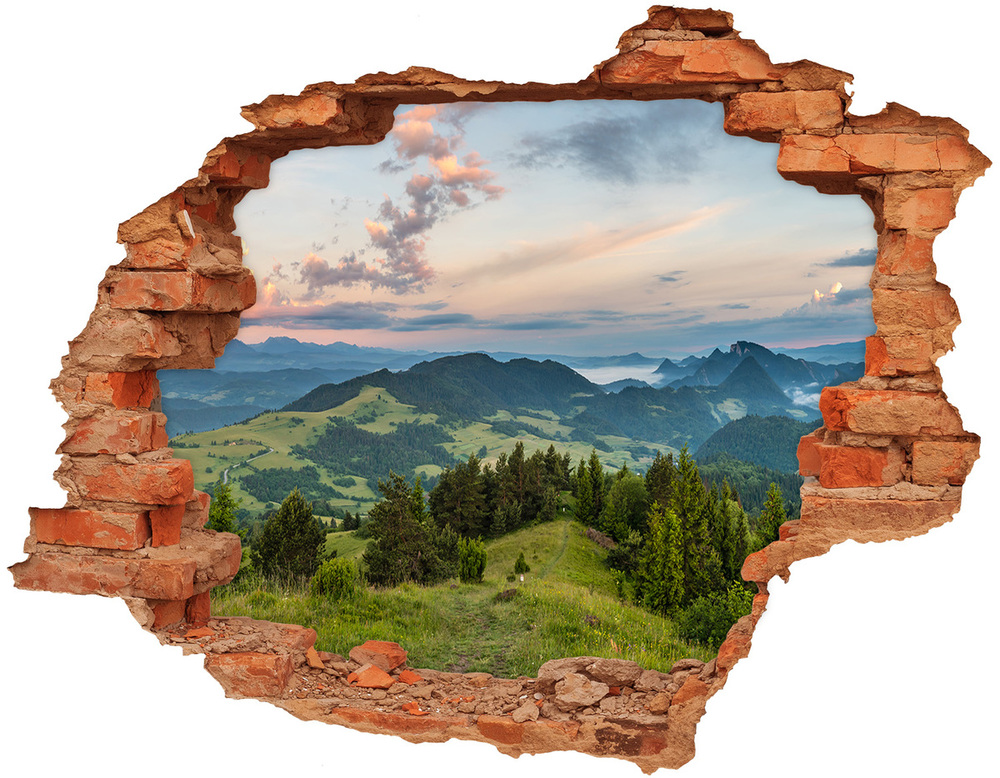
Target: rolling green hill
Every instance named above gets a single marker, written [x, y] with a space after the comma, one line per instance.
[566, 606]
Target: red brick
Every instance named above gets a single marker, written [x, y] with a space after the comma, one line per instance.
[764, 115]
[808, 455]
[943, 462]
[152, 579]
[888, 412]
[156, 254]
[907, 311]
[844, 467]
[223, 294]
[117, 434]
[199, 609]
[873, 520]
[693, 62]
[169, 482]
[166, 525]
[811, 155]
[704, 20]
[922, 209]
[122, 390]
[693, 687]
[255, 171]
[251, 674]
[500, 729]
[115, 342]
[895, 152]
[903, 355]
[151, 290]
[196, 510]
[901, 253]
[92, 529]
[225, 169]
[954, 152]
[168, 612]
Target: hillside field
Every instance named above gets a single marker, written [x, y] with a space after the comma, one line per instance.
[566, 606]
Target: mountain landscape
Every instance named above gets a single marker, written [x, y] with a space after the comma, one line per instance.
[284, 414]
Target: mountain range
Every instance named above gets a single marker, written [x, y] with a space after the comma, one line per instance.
[686, 398]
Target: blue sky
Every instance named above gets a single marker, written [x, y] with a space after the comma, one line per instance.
[588, 227]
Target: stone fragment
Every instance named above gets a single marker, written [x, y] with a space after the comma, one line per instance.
[251, 674]
[577, 691]
[123, 433]
[764, 115]
[370, 677]
[528, 711]
[659, 704]
[920, 209]
[808, 455]
[555, 669]
[683, 665]
[313, 659]
[651, 680]
[199, 609]
[692, 688]
[409, 677]
[614, 672]
[383, 654]
[413, 708]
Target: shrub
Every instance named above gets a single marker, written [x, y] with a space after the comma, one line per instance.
[336, 578]
[471, 560]
[521, 566]
[708, 618]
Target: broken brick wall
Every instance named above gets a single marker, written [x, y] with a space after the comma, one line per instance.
[894, 460]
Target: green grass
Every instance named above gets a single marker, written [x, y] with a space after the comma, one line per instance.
[565, 607]
[346, 544]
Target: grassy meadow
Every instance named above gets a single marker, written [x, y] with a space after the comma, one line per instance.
[566, 606]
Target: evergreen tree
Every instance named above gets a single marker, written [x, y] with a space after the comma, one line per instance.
[597, 483]
[771, 517]
[625, 506]
[700, 562]
[222, 510]
[291, 540]
[661, 574]
[458, 500]
[584, 496]
[660, 477]
[402, 548]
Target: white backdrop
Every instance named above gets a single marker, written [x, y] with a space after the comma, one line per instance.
[873, 659]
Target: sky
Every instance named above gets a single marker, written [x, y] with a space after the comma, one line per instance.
[574, 227]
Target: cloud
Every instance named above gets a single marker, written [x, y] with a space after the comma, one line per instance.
[856, 258]
[659, 140]
[735, 306]
[672, 278]
[589, 244]
[339, 315]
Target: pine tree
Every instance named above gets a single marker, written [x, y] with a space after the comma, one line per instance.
[660, 478]
[597, 483]
[291, 540]
[700, 561]
[661, 575]
[222, 510]
[584, 496]
[772, 516]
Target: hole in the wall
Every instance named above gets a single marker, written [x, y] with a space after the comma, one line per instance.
[583, 228]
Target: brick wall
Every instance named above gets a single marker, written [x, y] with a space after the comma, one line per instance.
[888, 462]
